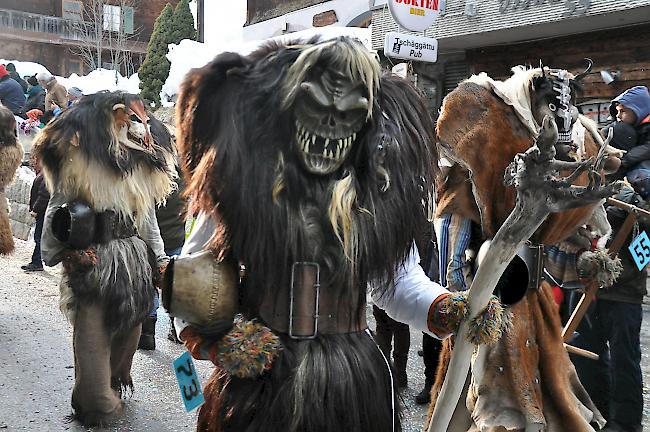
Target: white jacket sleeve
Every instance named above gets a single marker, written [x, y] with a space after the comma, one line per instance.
[149, 232]
[412, 296]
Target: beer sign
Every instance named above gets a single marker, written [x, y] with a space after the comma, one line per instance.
[415, 15]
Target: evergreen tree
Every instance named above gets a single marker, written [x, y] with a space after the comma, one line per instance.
[154, 70]
[183, 25]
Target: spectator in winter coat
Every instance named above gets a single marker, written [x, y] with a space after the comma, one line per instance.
[56, 93]
[16, 77]
[11, 93]
[38, 200]
[612, 330]
[35, 96]
[632, 133]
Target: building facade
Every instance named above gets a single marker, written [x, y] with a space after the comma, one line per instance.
[494, 35]
[50, 32]
[268, 18]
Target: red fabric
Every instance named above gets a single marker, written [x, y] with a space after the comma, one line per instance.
[34, 114]
[3, 71]
[558, 295]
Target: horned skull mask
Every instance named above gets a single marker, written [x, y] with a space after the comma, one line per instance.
[330, 91]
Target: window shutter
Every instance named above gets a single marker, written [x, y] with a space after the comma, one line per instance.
[127, 19]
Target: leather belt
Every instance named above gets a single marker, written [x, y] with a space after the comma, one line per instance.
[303, 310]
[108, 226]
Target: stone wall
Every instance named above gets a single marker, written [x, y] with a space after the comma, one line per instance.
[18, 195]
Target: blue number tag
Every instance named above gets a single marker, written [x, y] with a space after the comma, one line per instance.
[188, 382]
[640, 250]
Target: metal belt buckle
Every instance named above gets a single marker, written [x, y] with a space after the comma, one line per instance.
[291, 299]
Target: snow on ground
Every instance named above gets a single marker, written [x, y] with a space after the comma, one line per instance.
[25, 68]
[97, 80]
[183, 57]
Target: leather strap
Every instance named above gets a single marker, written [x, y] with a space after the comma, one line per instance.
[110, 227]
[325, 313]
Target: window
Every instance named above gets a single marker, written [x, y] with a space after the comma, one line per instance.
[112, 18]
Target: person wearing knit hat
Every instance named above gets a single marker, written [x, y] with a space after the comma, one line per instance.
[11, 93]
[632, 133]
[74, 94]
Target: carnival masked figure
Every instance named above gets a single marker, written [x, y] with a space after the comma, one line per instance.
[107, 164]
[11, 153]
[312, 175]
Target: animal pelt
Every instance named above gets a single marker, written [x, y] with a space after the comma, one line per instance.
[242, 140]
[11, 154]
[85, 156]
[526, 382]
[121, 281]
[472, 128]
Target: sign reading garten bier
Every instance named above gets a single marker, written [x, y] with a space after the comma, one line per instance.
[411, 47]
[415, 15]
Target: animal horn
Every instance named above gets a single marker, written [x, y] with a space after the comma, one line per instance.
[581, 75]
[541, 66]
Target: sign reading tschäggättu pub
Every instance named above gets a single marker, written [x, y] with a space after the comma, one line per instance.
[411, 47]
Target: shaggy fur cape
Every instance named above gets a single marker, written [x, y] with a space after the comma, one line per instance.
[536, 384]
[11, 154]
[358, 223]
[83, 159]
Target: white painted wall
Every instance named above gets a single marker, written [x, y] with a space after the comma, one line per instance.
[346, 11]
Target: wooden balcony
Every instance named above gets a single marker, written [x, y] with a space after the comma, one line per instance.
[17, 25]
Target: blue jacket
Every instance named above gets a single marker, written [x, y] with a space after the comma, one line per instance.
[11, 94]
[637, 99]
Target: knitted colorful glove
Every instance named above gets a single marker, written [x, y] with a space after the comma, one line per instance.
[447, 312]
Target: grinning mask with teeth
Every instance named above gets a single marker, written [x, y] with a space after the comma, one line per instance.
[330, 89]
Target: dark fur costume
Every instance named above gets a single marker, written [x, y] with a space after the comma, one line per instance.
[86, 163]
[240, 154]
[99, 153]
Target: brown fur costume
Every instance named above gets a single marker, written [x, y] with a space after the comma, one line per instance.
[526, 379]
[11, 154]
[98, 153]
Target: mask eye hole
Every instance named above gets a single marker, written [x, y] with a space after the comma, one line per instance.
[135, 118]
[552, 107]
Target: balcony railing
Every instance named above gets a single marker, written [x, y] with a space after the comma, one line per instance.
[36, 23]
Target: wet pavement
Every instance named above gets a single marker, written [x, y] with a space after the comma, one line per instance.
[38, 374]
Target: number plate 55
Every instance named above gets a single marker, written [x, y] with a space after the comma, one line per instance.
[640, 250]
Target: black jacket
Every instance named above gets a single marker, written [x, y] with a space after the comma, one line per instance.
[19, 80]
[171, 220]
[39, 196]
[630, 287]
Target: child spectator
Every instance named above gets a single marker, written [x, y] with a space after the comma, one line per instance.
[632, 133]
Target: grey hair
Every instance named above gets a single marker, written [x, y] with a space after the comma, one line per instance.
[44, 76]
[360, 64]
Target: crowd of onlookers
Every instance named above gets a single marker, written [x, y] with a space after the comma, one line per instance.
[36, 99]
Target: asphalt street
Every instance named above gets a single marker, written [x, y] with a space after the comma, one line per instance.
[38, 374]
